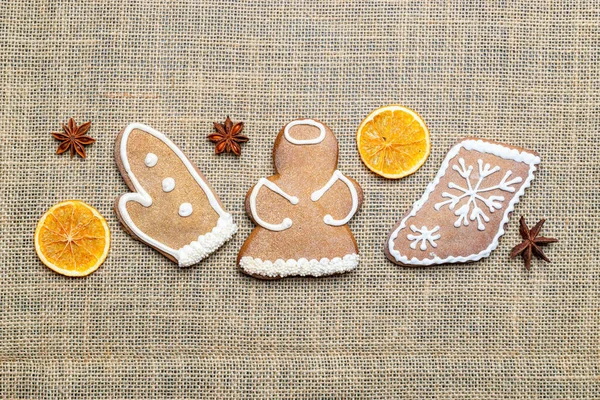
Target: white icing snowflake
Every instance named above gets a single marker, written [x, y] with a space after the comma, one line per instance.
[424, 236]
[470, 210]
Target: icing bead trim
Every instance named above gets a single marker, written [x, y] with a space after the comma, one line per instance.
[483, 147]
[168, 184]
[287, 222]
[328, 219]
[185, 209]
[302, 267]
[203, 247]
[206, 244]
[311, 122]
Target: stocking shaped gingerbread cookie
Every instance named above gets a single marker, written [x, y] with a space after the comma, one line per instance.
[302, 211]
[172, 208]
[463, 212]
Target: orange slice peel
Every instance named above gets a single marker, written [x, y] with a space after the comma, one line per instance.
[72, 238]
[393, 141]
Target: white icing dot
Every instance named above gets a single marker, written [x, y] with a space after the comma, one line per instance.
[151, 160]
[185, 209]
[168, 184]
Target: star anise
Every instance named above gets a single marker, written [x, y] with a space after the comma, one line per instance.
[531, 243]
[73, 138]
[228, 137]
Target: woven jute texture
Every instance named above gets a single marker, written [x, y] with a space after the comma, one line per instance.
[521, 72]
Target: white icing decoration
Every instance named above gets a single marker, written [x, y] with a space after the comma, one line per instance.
[185, 209]
[302, 267]
[471, 192]
[424, 236]
[311, 122]
[287, 223]
[483, 147]
[168, 184]
[328, 219]
[205, 244]
[151, 160]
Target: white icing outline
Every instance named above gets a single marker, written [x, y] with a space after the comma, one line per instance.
[311, 122]
[483, 147]
[328, 219]
[168, 184]
[302, 267]
[287, 222]
[205, 244]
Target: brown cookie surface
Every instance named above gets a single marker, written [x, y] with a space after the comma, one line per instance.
[302, 211]
[172, 208]
[463, 212]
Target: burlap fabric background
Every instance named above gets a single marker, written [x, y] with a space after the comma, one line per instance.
[516, 71]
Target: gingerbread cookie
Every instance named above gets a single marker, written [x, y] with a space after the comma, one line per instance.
[302, 211]
[463, 212]
[172, 208]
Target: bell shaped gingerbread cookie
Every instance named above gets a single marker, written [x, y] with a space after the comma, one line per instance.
[302, 211]
[172, 208]
[463, 212]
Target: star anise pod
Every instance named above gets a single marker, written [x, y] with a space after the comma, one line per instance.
[531, 242]
[73, 138]
[228, 137]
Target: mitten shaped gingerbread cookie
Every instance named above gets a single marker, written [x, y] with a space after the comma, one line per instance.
[302, 211]
[172, 208]
[463, 212]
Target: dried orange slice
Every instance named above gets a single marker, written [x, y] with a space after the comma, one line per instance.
[393, 141]
[72, 238]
